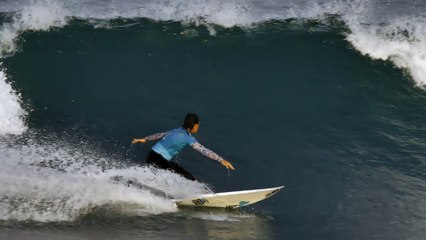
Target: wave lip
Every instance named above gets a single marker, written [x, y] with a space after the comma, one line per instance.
[367, 34]
[403, 42]
[39, 16]
[65, 179]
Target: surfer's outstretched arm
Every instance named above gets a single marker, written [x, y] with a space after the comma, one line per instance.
[149, 138]
[212, 155]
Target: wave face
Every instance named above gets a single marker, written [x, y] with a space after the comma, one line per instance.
[379, 29]
[325, 97]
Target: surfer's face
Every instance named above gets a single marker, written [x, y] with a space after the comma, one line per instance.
[195, 128]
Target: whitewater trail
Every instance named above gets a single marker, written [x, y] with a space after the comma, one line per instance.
[49, 179]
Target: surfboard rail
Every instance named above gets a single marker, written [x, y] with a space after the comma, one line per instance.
[234, 199]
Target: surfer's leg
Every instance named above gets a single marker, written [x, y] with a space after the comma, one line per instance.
[179, 170]
[157, 160]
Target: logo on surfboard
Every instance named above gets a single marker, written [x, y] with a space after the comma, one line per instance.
[243, 203]
[200, 201]
[272, 193]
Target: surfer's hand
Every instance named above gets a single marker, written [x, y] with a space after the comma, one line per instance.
[227, 164]
[135, 140]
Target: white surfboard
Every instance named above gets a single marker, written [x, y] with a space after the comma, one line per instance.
[229, 199]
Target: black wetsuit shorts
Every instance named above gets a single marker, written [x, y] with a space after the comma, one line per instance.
[159, 161]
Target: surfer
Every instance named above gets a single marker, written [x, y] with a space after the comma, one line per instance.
[172, 142]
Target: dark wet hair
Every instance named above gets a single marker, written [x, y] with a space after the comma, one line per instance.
[190, 120]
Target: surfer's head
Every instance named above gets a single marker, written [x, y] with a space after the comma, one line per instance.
[191, 122]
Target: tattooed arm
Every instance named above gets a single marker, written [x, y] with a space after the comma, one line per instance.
[212, 155]
[149, 138]
[206, 152]
[156, 136]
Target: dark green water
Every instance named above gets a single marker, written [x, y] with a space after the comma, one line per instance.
[287, 103]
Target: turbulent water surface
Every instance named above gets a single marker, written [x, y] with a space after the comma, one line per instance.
[325, 97]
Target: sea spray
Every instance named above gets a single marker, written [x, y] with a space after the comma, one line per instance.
[41, 15]
[403, 42]
[37, 16]
[11, 113]
[52, 179]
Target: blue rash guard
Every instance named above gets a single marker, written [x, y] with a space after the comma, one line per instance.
[173, 142]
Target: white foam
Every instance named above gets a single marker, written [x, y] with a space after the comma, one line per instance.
[370, 39]
[11, 113]
[36, 16]
[59, 180]
[224, 13]
[169, 183]
[31, 193]
[403, 41]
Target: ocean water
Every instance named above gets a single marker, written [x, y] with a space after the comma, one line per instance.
[325, 97]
